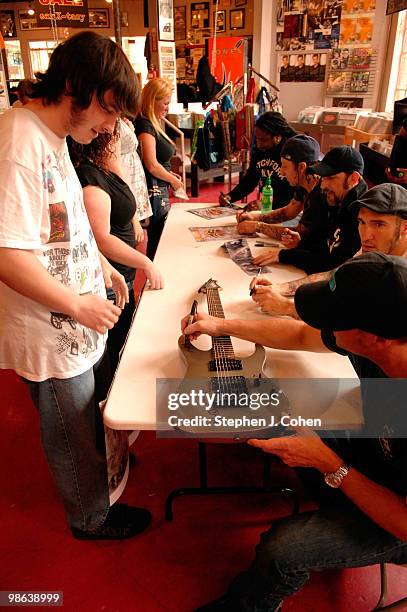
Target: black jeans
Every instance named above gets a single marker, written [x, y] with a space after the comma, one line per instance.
[118, 334]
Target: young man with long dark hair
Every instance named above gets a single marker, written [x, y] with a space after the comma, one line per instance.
[55, 315]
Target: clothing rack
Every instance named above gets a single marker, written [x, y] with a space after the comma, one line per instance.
[225, 89]
[251, 69]
[182, 137]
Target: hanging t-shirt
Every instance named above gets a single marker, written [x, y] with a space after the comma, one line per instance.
[42, 211]
[122, 207]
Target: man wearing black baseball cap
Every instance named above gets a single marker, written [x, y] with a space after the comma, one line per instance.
[341, 183]
[297, 155]
[359, 312]
[271, 131]
[382, 218]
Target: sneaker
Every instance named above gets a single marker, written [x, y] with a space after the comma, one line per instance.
[122, 522]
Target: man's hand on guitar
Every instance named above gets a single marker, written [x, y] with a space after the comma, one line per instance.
[203, 324]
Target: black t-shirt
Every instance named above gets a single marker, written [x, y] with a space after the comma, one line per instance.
[380, 450]
[342, 240]
[122, 207]
[263, 165]
[164, 150]
[313, 228]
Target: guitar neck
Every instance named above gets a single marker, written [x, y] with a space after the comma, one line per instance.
[222, 346]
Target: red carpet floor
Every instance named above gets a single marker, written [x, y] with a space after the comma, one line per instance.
[172, 566]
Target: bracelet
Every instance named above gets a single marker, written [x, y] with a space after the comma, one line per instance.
[258, 226]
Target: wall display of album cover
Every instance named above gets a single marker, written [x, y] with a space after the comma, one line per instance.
[303, 25]
[359, 82]
[349, 70]
[301, 67]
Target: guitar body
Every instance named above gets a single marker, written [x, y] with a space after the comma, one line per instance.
[197, 362]
[222, 391]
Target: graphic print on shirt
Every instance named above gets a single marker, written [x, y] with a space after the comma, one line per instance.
[90, 339]
[67, 343]
[58, 217]
[268, 167]
[80, 252]
[58, 318]
[335, 241]
[58, 264]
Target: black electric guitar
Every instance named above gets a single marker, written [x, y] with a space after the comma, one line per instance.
[234, 382]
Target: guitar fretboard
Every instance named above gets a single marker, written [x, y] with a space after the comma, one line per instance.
[222, 348]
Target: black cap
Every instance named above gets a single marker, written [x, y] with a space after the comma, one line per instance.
[386, 199]
[274, 123]
[368, 292]
[340, 159]
[301, 148]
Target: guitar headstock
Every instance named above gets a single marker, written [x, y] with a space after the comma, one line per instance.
[210, 284]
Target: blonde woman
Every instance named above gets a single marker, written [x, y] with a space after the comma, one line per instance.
[156, 152]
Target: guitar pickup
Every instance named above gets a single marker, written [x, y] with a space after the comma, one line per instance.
[224, 365]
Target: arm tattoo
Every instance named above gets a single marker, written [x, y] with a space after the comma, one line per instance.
[288, 289]
[277, 216]
[273, 231]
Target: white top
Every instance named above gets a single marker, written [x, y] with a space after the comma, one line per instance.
[42, 210]
[152, 350]
[134, 171]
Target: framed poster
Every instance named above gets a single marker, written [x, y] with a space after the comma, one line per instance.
[180, 23]
[394, 6]
[29, 22]
[8, 24]
[219, 21]
[165, 20]
[200, 15]
[99, 18]
[167, 65]
[237, 19]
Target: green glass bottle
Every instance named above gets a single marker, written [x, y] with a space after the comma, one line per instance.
[267, 197]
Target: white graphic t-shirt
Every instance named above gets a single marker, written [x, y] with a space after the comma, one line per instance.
[42, 210]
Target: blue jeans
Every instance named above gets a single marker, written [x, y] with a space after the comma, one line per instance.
[73, 439]
[316, 540]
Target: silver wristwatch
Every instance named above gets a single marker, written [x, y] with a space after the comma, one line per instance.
[334, 479]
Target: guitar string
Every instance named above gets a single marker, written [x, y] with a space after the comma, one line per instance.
[222, 347]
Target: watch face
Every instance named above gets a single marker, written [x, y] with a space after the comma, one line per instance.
[333, 480]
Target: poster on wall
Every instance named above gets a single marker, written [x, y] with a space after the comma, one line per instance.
[308, 67]
[165, 20]
[167, 65]
[227, 63]
[303, 25]
[8, 24]
[180, 23]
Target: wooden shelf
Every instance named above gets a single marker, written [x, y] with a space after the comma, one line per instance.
[353, 134]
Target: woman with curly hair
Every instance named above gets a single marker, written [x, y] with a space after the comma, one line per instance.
[111, 207]
[156, 152]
